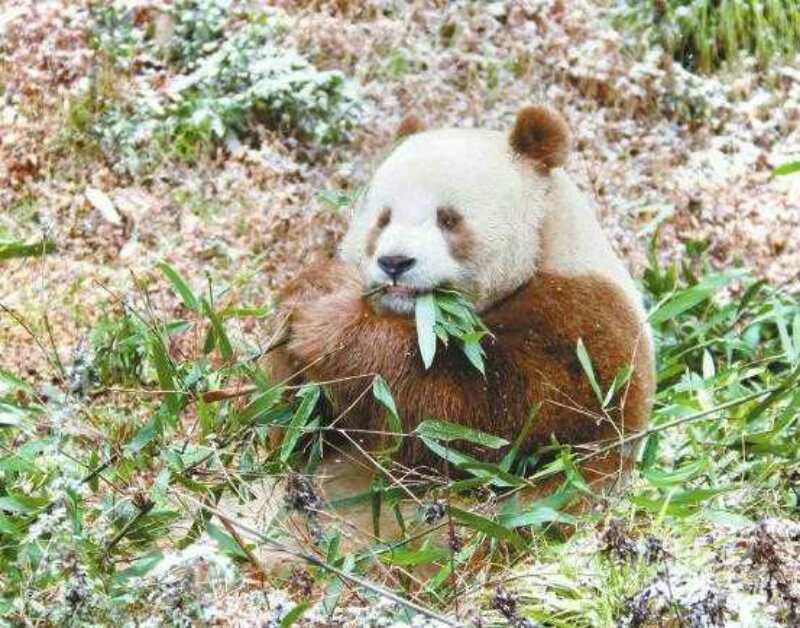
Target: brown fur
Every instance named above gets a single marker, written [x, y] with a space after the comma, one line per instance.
[380, 224]
[410, 125]
[542, 135]
[459, 236]
[531, 359]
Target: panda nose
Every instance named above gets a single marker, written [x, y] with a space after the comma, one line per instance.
[395, 265]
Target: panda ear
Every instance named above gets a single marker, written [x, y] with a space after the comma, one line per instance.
[410, 125]
[542, 135]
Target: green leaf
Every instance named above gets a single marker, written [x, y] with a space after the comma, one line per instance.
[140, 567]
[699, 495]
[181, 287]
[679, 504]
[493, 471]
[450, 303]
[164, 371]
[335, 589]
[684, 300]
[254, 311]
[7, 526]
[226, 542]
[10, 249]
[309, 395]
[11, 383]
[536, 515]
[483, 472]
[474, 353]
[293, 615]
[665, 479]
[446, 431]
[796, 334]
[382, 393]
[143, 437]
[650, 450]
[262, 404]
[520, 439]
[359, 499]
[380, 390]
[729, 519]
[425, 315]
[18, 464]
[411, 558]
[620, 379]
[450, 455]
[11, 415]
[487, 526]
[221, 337]
[789, 168]
[787, 343]
[586, 363]
[22, 504]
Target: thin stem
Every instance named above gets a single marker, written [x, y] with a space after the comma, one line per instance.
[309, 558]
[686, 419]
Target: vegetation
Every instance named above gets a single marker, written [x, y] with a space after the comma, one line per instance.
[703, 34]
[87, 515]
[141, 434]
[222, 90]
[446, 314]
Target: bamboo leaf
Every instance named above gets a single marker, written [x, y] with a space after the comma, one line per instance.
[446, 431]
[789, 168]
[143, 437]
[13, 249]
[425, 316]
[684, 300]
[140, 567]
[474, 353]
[165, 370]
[380, 389]
[487, 526]
[220, 336]
[309, 396]
[293, 615]
[411, 558]
[226, 542]
[181, 286]
[382, 393]
[588, 369]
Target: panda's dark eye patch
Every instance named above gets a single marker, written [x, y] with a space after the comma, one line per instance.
[385, 218]
[448, 218]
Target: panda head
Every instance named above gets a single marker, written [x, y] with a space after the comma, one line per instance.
[458, 208]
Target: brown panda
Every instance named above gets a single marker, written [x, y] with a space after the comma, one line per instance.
[493, 215]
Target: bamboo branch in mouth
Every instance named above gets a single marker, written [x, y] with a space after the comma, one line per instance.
[376, 290]
[393, 289]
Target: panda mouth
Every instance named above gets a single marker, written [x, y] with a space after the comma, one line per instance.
[396, 290]
[402, 291]
[398, 299]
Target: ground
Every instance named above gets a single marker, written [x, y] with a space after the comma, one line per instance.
[239, 203]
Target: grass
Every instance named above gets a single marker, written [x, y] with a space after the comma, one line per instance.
[707, 34]
[140, 451]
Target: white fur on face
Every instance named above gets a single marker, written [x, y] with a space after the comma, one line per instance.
[502, 202]
[413, 234]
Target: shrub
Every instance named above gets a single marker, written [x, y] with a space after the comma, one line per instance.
[228, 82]
[251, 80]
[199, 27]
[704, 34]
